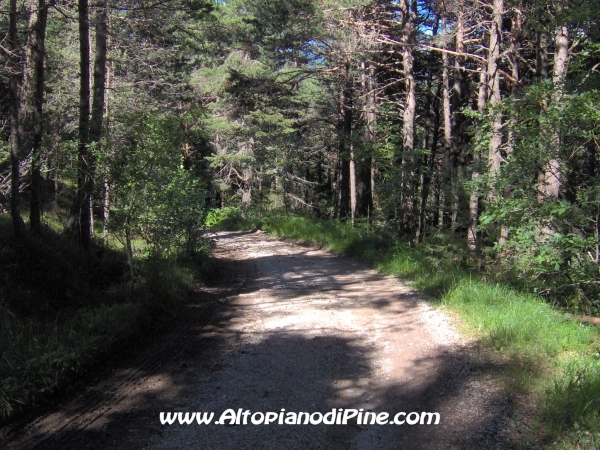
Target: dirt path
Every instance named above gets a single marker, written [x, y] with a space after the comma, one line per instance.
[294, 328]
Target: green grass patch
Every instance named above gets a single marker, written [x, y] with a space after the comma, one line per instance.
[230, 218]
[521, 323]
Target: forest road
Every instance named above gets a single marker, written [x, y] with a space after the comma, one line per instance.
[297, 328]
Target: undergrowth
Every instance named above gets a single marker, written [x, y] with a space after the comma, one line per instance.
[63, 313]
[554, 357]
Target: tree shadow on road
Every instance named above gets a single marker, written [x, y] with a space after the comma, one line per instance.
[215, 365]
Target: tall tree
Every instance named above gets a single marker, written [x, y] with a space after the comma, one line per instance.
[81, 216]
[495, 98]
[15, 72]
[90, 128]
[408, 39]
[32, 100]
[472, 236]
[364, 188]
[552, 179]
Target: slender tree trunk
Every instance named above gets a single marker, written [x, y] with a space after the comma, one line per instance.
[427, 160]
[105, 206]
[345, 209]
[98, 95]
[129, 248]
[553, 176]
[408, 117]
[352, 184]
[32, 100]
[456, 161]
[541, 50]
[97, 113]
[494, 156]
[15, 178]
[472, 237]
[590, 183]
[106, 177]
[79, 220]
[447, 171]
[427, 175]
[364, 193]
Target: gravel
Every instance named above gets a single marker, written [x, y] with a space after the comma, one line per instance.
[295, 328]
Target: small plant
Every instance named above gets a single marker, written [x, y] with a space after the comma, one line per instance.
[574, 397]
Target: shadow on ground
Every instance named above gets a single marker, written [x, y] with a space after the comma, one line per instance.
[209, 367]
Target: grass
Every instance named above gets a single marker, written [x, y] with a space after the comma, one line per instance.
[63, 314]
[552, 357]
[518, 322]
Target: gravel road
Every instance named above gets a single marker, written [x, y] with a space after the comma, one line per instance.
[296, 328]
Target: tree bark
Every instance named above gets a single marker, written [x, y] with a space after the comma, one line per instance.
[447, 108]
[428, 160]
[513, 58]
[32, 100]
[427, 174]
[456, 162]
[364, 193]
[99, 90]
[106, 177]
[494, 155]
[541, 50]
[345, 133]
[553, 177]
[408, 117]
[472, 236]
[80, 220]
[15, 179]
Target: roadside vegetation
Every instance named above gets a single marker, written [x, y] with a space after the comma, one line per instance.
[549, 355]
[65, 314]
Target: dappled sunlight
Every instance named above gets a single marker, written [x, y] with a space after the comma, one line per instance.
[308, 332]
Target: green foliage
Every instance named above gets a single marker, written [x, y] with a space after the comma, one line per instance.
[220, 218]
[552, 244]
[232, 218]
[158, 199]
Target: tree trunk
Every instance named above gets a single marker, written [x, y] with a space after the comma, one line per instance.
[32, 100]
[408, 117]
[106, 177]
[541, 50]
[352, 184]
[456, 162]
[513, 58]
[79, 221]
[99, 90]
[15, 179]
[495, 99]
[427, 174]
[345, 132]
[472, 237]
[428, 160]
[129, 248]
[364, 193]
[447, 170]
[553, 177]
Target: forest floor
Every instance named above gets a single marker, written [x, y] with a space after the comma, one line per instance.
[293, 327]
